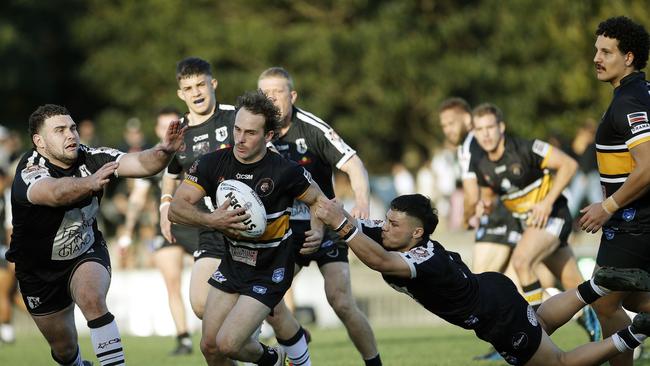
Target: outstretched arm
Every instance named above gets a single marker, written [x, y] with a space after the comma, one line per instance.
[359, 181]
[313, 236]
[151, 161]
[367, 250]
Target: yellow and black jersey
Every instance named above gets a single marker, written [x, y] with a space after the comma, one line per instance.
[624, 125]
[276, 180]
[520, 176]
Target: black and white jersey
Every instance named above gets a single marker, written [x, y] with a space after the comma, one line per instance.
[314, 145]
[520, 176]
[211, 135]
[276, 180]
[625, 125]
[440, 281]
[466, 150]
[50, 237]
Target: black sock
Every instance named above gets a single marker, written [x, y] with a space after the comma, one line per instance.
[375, 361]
[291, 341]
[269, 356]
[587, 292]
[630, 340]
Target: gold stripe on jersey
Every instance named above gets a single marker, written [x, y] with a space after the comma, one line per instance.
[638, 140]
[523, 201]
[276, 229]
[195, 185]
[614, 162]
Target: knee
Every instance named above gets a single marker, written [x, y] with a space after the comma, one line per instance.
[91, 303]
[520, 263]
[227, 346]
[198, 307]
[64, 351]
[343, 304]
[208, 347]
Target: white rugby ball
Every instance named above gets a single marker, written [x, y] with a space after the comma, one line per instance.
[241, 195]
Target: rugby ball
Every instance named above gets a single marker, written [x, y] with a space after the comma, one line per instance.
[241, 195]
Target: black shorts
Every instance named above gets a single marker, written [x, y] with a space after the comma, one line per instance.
[187, 237]
[267, 285]
[211, 245]
[498, 227]
[624, 250]
[511, 324]
[45, 294]
[559, 223]
[332, 249]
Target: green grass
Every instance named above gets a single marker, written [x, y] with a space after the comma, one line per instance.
[444, 345]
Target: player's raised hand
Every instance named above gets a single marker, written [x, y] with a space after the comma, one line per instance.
[173, 139]
[101, 177]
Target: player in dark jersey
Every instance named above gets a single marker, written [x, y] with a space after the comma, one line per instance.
[487, 303]
[312, 143]
[623, 155]
[209, 129]
[517, 171]
[61, 257]
[255, 273]
[168, 256]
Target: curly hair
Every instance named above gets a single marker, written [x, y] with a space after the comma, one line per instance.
[38, 117]
[192, 66]
[258, 103]
[419, 207]
[632, 37]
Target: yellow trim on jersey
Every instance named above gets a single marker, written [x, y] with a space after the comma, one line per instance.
[548, 153]
[638, 142]
[615, 163]
[276, 229]
[195, 185]
[525, 202]
[303, 195]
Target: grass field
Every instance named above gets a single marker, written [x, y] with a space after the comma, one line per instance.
[444, 345]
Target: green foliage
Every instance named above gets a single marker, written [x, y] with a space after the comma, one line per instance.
[375, 70]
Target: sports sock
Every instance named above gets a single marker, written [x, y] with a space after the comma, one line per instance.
[589, 292]
[297, 349]
[533, 294]
[184, 339]
[106, 341]
[375, 361]
[269, 356]
[625, 339]
[75, 361]
[7, 333]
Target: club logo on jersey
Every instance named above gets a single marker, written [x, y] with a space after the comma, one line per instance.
[33, 173]
[243, 176]
[532, 316]
[259, 289]
[506, 185]
[264, 187]
[194, 168]
[33, 302]
[516, 169]
[221, 134]
[638, 121]
[628, 214]
[301, 146]
[519, 340]
[219, 277]
[278, 275]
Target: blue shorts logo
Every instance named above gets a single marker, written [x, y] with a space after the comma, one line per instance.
[609, 233]
[278, 275]
[326, 243]
[628, 214]
[480, 232]
[259, 290]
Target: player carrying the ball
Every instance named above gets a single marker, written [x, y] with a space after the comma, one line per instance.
[255, 272]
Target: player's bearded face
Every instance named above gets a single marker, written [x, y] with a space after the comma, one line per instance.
[488, 132]
[278, 90]
[452, 122]
[397, 231]
[250, 139]
[60, 140]
[609, 60]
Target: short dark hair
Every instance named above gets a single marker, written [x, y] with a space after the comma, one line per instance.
[631, 36]
[454, 103]
[38, 117]
[488, 108]
[418, 206]
[277, 72]
[168, 110]
[191, 66]
[258, 103]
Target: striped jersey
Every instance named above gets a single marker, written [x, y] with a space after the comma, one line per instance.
[276, 180]
[519, 177]
[46, 237]
[314, 145]
[624, 125]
